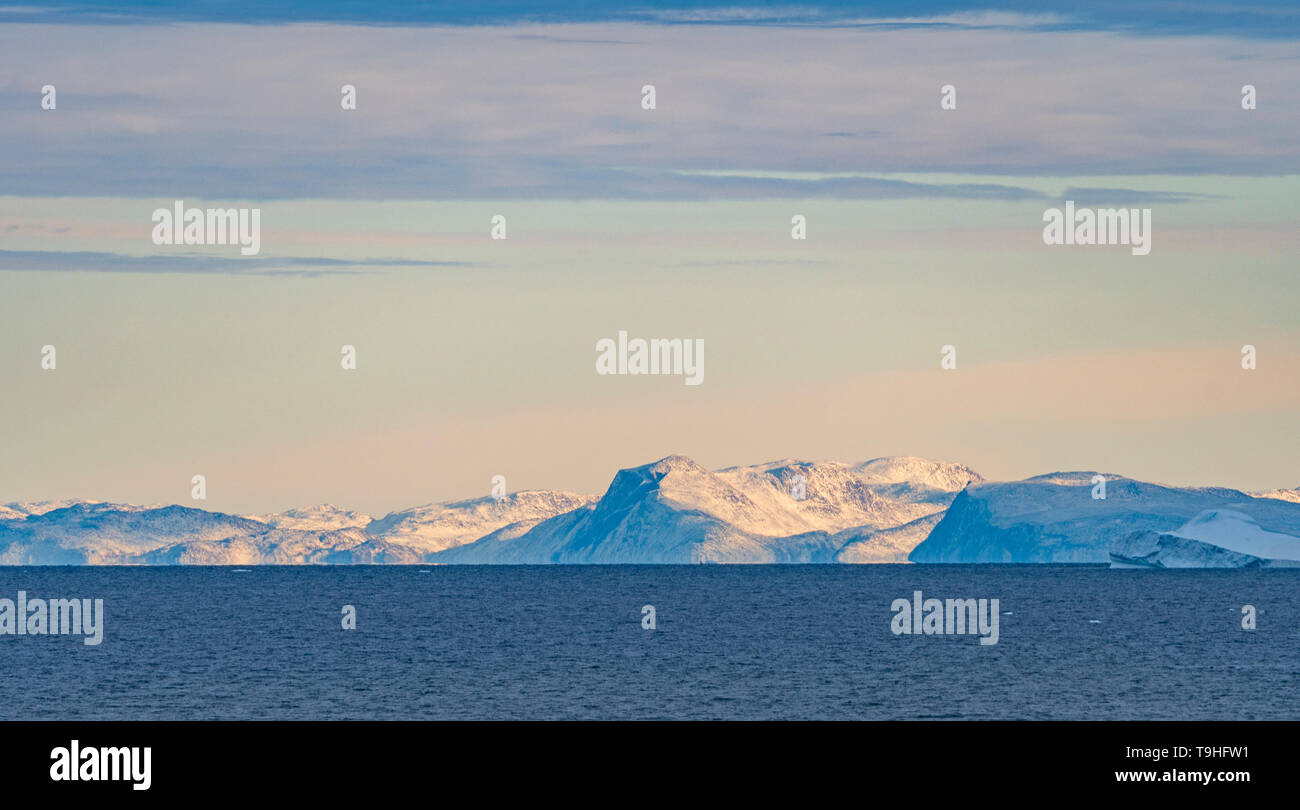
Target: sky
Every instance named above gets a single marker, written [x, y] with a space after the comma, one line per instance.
[476, 357]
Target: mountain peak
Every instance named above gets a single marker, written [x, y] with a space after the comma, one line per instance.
[675, 463]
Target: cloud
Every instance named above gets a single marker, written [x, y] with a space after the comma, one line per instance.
[103, 262]
[672, 185]
[573, 41]
[1128, 196]
[866, 133]
[253, 111]
[1276, 19]
[754, 263]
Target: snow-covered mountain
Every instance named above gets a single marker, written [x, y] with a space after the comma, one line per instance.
[441, 526]
[881, 493]
[1054, 518]
[84, 532]
[1219, 538]
[105, 533]
[675, 511]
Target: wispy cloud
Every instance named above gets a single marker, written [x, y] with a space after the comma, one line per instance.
[1128, 196]
[103, 262]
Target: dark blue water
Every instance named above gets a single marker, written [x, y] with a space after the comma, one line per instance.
[752, 642]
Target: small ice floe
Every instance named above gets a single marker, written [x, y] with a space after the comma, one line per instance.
[424, 570]
[241, 570]
[1094, 621]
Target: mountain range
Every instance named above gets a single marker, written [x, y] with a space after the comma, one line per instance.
[893, 509]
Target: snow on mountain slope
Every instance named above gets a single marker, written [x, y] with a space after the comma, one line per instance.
[646, 515]
[523, 543]
[323, 517]
[1054, 518]
[1292, 495]
[918, 473]
[1220, 538]
[890, 545]
[102, 533]
[675, 511]
[19, 511]
[917, 481]
[281, 547]
[761, 499]
[441, 526]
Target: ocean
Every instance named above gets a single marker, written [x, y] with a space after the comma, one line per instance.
[730, 642]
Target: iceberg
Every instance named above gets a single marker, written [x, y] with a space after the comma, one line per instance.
[1058, 518]
[1216, 538]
